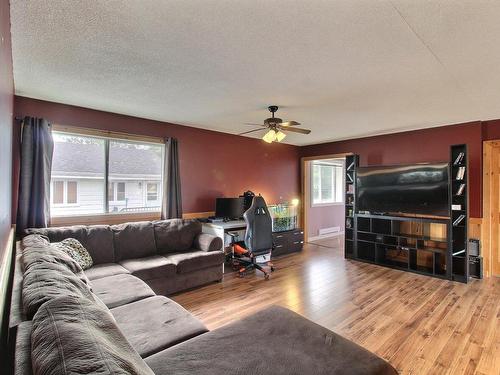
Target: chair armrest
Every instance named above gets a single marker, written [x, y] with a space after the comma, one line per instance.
[207, 242]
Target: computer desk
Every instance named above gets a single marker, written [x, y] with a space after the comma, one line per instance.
[220, 230]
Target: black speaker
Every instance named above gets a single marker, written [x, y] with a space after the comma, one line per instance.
[476, 267]
[474, 247]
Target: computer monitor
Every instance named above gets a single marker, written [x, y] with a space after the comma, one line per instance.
[229, 208]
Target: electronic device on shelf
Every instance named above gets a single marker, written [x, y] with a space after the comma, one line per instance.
[229, 208]
[411, 189]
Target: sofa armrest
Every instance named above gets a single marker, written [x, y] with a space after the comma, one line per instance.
[207, 242]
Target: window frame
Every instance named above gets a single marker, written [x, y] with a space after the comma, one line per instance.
[334, 202]
[106, 217]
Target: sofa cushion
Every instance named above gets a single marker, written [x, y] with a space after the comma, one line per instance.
[104, 270]
[175, 235]
[119, 290]
[134, 240]
[148, 268]
[77, 251]
[273, 341]
[46, 281]
[156, 323]
[196, 260]
[100, 244]
[75, 336]
[22, 360]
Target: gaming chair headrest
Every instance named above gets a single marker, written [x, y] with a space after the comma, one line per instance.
[258, 206]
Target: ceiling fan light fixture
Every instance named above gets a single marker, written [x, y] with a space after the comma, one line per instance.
[270, 136]
[280, 136]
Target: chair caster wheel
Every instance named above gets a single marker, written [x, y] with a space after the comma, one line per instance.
[241, 275]
[272, 269]
[266, 276]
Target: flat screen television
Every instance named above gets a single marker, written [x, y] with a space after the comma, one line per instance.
[410, 189]
[229, 208]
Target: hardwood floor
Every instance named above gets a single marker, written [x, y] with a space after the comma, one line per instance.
[421, 325]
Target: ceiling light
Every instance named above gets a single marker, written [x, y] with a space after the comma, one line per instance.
[280, 136]
[270, 136]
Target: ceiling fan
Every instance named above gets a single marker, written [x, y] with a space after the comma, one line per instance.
[276, 127]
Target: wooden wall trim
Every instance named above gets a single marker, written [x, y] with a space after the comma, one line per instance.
[198, 215]
[6, 268]
[305, 189]
[111, 219]
[106, 219]
[490, 241]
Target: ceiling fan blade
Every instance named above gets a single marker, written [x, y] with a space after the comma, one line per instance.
[290, 123]
[250, 131]
[253, 124]
[296, 130]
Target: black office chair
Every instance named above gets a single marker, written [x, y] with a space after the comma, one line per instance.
[258, 239]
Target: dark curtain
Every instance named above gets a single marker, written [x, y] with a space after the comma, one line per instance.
[37, 146]
[172, 202]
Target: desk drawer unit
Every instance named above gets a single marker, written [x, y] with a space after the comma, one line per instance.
[287, 242]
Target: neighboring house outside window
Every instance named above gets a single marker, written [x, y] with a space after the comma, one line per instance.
[79, 182]
[327, 183]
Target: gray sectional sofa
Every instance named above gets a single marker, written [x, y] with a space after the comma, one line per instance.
[169, 255]
[114, 323]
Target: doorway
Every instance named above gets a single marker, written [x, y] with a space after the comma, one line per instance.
[323, 181]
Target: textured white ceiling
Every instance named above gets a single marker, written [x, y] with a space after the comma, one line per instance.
[343, 68]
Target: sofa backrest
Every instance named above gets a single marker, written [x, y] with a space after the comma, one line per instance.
[134, 240]
[175, 235]
[111, 244]
[97, 239]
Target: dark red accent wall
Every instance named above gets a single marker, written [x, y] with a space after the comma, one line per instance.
[6, 109]
[427, 145]
[212, 164]
[491, 130]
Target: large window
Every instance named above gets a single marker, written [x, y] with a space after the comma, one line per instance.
[327, 182]
[80, 184]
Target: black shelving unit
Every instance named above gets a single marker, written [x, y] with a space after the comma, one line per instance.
[459, 212]
[425, 245]
[352, 163]
[405, 243]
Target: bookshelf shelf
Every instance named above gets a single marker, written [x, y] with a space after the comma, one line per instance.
[458, 196]
[352, 163]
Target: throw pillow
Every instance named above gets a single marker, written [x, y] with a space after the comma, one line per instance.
[77, 251]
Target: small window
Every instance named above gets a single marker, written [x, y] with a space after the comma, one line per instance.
[327, 182]
[152, 192]
[71, 194]
[58, 192]
[64, 192]
[120, 191]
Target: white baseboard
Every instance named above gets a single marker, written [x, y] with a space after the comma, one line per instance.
[329, 235]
